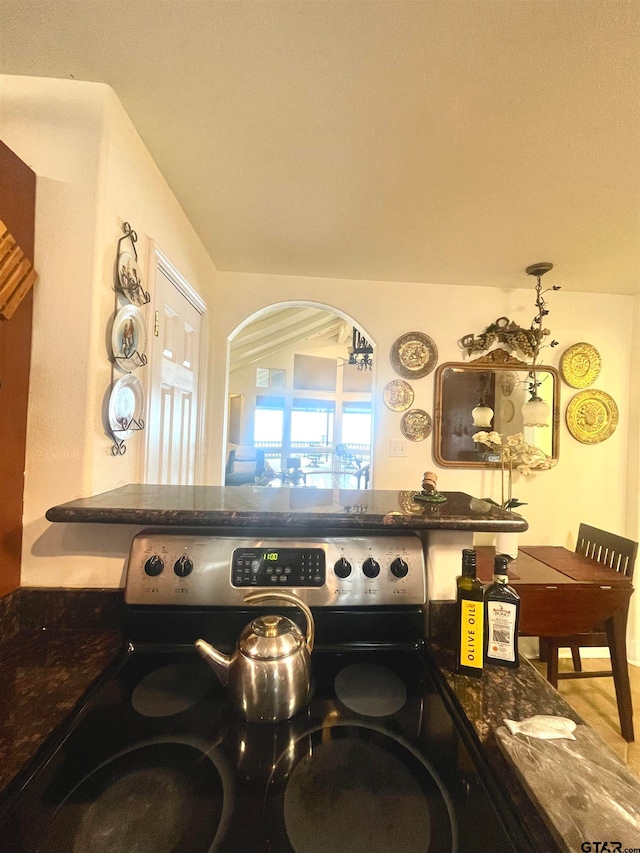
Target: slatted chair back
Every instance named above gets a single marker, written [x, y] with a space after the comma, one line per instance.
[614, 551]
[620, 554]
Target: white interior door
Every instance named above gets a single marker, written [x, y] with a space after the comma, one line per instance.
[174, 394]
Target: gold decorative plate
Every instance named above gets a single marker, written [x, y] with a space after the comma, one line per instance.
[408, 505]
[414, 355]
[592, 416]
[415, 425]
[580, 365]
[397, 395]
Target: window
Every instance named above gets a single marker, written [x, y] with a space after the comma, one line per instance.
[268, 421]
[312, 422]
[356, 423]
[269, 377]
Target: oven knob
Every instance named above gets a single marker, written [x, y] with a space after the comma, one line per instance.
[399, 568]
[183, 566]
[154, 566]
[342, 568]
[371, 568]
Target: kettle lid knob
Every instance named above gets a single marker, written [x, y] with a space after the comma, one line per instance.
[272, 625]
[271, 637]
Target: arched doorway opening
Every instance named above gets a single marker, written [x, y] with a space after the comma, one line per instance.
[298, 412]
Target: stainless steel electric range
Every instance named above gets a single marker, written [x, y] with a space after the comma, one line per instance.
[157, 761]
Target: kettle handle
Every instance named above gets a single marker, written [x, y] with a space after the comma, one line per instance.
[258, 597]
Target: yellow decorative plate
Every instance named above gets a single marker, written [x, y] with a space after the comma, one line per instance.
[415, 425]
[592, 416]
[580, 365]
[414, 355]
[408, 505]
[397, 395]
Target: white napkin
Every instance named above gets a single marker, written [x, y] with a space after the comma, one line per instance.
[543, 726]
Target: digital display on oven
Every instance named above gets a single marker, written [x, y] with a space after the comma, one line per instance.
[278, 567]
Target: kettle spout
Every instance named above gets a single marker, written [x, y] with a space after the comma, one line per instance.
[218, 662]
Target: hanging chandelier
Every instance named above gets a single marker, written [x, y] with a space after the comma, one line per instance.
[360, 351]
[482, 414]
[536, 411]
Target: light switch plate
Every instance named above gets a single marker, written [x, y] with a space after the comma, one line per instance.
[397, 447]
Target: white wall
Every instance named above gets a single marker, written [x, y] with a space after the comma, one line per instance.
[93, 173]
[632, 528]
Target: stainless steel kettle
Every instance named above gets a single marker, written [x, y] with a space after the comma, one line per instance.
[268, 676]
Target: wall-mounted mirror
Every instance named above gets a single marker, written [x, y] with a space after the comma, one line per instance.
[488, 394]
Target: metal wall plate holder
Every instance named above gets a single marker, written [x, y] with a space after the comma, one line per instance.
[138, 358]
[119, 448]
[136, 294]
[134, 291]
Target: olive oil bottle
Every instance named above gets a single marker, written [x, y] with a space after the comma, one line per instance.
[469, 621]
[501, 618]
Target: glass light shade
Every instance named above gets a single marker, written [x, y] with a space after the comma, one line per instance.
[482, 415]
[535, 412]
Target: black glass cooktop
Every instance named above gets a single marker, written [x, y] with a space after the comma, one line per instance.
[158, 762]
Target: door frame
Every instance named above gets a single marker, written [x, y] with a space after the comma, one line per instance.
[160, 263]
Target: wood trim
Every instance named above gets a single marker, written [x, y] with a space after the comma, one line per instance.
[17, 211]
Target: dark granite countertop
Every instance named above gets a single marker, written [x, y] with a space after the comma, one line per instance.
[254, 506]
[43, 676]
[596, 789]
[49, 660]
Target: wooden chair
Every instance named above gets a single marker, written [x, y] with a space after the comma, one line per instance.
[620, 554]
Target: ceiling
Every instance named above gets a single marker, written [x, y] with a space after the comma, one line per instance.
[282, 328]
[440, 141]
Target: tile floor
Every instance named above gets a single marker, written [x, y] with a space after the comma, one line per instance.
[595, 700]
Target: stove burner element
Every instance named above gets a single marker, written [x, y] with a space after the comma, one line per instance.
[159, 797]
[360, 792]
[140, 813]
[371, 690]
[171, 689]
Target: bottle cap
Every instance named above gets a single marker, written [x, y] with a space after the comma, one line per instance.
[469, 561]
[501, 564]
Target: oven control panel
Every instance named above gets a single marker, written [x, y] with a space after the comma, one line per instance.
[199, 569]
[278, 567]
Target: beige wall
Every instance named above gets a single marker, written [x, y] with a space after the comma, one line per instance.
[595, 484]
[93, 173]
[588, 485]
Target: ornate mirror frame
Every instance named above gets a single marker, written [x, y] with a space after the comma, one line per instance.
[497, 361]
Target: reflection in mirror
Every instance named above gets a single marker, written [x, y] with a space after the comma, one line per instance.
[299, 414]
[489, 394]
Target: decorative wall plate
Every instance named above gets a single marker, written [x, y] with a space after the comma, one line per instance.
[125, 407]
[580, 365]
[508, 382]
[592, 416]
[130, 278]
[507, 411]
[415, 425]
[397, 395]
[129, 337]
[414, 355]
[408, 505]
